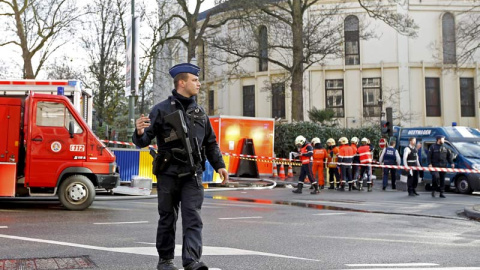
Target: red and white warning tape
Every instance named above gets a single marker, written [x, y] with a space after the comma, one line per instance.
[297, 162]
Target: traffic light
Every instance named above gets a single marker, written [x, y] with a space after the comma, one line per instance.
[385, 127]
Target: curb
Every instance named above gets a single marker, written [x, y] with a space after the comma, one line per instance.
[471, 212]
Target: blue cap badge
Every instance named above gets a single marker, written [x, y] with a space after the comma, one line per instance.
[184, 68]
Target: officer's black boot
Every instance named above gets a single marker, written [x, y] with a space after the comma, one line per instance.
[315, 189]
[331, 186]
[441, 195]
[350, 186]
[166, 264]
[299, 188]
[433, 193]
[196, 266]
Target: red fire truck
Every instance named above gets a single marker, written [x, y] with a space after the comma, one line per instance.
[48, 149]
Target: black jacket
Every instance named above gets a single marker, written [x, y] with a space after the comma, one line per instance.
[439, 155]
[201, 129]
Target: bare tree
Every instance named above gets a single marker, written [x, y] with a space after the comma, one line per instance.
[297, 41]
[64, 68]
[468, 34]
[105, 49]
[39, 28]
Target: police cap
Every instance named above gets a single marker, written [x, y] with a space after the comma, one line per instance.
[438, 137]
[184, 68]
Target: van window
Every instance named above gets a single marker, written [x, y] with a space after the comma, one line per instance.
[468, 149]
[52, 114]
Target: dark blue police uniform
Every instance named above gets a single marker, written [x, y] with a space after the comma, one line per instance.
[177, 184]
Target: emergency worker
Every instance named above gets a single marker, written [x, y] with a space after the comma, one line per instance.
[365, 155]
[390, 156]
[345, 156]
[410, 158]
[306, 157]
[439, 156]
[178, 170]
[319, 156]
[356, 159]
[332, 151]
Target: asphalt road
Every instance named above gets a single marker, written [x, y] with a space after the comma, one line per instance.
[258, 229]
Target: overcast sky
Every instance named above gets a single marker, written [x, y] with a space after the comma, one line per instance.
[10, 54]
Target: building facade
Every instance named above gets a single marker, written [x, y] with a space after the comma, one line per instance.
[421, 78]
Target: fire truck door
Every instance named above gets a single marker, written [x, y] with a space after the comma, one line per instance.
[52, 148]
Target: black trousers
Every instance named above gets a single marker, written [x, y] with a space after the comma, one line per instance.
[438, 181]
[306, 170]
[412, 181]
[393, 175]
[346, 173]
[333, 172]
[187, 194]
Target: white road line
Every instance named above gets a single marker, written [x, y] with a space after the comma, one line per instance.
[239, 218]
[415, 268]
[471, 244]
[392, 264]
[126, 222]
[3, 227]
[152, 251]
[329, 214]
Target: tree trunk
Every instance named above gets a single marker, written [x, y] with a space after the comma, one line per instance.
[297, 68]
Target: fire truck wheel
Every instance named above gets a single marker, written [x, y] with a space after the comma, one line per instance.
[76, 192]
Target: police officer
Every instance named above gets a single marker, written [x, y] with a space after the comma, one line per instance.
[390, 156]
[179, 183]
[438, 156]
[410, 158]
[305, 154]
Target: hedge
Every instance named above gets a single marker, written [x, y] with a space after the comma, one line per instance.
[286, 133]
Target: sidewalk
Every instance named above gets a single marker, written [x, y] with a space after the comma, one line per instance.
[473, 212]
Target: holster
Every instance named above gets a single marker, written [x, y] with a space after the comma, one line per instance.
[161, 162]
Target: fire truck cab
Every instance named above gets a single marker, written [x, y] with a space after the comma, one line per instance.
[48, 149]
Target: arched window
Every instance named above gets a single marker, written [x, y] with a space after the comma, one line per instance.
[262, 48]
[448, 36]
[352, 40]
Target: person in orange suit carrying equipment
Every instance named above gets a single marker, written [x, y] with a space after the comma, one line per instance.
[305, 155]
[319, 156]
[334, 176]
[365, 154]
[345, 155]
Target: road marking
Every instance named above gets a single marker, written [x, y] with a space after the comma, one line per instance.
[3, 227]
[152, 251]
[471, 244]
[426, 268]
[392, 264]
[238, 218]
[329, 214]
[126, 222]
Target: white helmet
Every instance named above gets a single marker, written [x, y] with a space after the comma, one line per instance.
[365, 140]
[300, 140]
[354, 140]
[343, 140]
[331, 141]
[316, 140]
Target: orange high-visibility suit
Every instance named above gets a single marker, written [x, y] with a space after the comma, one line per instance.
[319, 156]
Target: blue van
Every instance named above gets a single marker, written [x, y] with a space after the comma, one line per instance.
[464, 142]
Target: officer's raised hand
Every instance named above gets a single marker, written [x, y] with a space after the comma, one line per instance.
[142, 123]
[223, 175]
